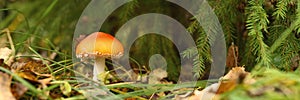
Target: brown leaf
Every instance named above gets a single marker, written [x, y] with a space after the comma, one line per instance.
[235, 76]
[28, 75]
[2, 64]
[212, 92]
[5, 81]
[232, 56]
[33, 70]
[130, 99]
[201, 95]
[226, 86]
[235, 73]
[28, 64]
[295, 62]
[18, 90]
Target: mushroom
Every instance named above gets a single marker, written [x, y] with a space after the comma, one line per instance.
[99, 46]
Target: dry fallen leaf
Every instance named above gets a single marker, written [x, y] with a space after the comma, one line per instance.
[130, 99]
[4, 65]
[232, 56]
[201, 95]
[156, 75]
[28, 75]
[295, 62]
[5, 54]
[18, 90]
[235, 76]
[34, 71]
[5, 81]
[28, 64]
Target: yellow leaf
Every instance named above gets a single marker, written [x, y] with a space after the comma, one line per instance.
[66, 88]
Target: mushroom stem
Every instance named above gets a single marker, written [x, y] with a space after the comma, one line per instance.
[99, 67]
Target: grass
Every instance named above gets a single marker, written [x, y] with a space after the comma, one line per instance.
[58, 68]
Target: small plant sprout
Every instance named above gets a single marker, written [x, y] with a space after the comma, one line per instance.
[99, 46]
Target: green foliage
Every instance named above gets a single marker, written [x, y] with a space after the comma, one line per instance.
[201, 53]
[281, 9]
[264, 31]
[286, 45]
[270, 84]
[232, 20]
[51, 24]
[257, 22]
[229, 16]
[40, 28]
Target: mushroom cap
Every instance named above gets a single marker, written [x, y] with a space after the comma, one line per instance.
[99, 44]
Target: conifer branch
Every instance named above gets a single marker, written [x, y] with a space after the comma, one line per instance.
[257, 22]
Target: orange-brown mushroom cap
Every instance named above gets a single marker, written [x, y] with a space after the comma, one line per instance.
[99, 44]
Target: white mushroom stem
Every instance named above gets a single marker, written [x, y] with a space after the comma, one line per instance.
[99, 67]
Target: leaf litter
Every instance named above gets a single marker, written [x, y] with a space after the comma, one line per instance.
[5, 81]
[37, 73]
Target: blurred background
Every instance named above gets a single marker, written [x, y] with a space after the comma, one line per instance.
[253, 26]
